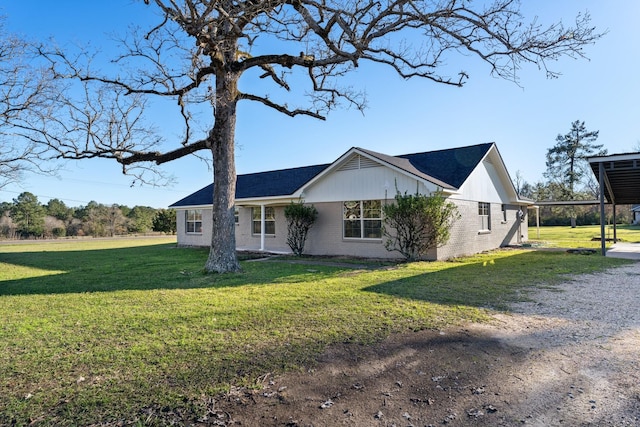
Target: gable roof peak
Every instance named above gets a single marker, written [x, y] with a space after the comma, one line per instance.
[447, 168]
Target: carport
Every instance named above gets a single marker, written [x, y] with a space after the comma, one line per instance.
[619, 179]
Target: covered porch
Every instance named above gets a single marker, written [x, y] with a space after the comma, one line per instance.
[619, 181]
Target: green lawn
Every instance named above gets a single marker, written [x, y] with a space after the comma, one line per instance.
[583, 236]
[97, 331]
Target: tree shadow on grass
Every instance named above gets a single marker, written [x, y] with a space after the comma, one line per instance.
[136, 268]
[492, 283]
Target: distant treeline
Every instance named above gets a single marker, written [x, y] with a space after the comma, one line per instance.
[27, 218]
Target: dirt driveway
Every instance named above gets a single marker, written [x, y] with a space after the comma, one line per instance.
[571, 358]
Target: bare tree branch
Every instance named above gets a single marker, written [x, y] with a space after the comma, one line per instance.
[281, 108]
[25, 93]
[197, 52]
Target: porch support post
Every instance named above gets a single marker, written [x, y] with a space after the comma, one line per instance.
[602, 218]
[615, 228]
[262, 223]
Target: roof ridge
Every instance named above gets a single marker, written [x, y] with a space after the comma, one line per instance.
[400, 156]
[446, 149]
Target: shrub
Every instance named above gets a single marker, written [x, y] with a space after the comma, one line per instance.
[300, 219]
[415, 223]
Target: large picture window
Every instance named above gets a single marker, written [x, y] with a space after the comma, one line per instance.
[484, 212]
[194, 221]
[269, 221]
[362, 219]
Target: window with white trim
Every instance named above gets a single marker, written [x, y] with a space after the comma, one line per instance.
[269, 221]
[362, 219]
[193, 219]
[484, 212]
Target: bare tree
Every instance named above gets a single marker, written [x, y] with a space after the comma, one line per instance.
[25, 92]
[198, 50]
[523, 188]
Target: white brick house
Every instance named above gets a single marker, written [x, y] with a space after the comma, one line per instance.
[349, 194]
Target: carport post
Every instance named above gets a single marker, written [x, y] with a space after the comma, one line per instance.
[602, 219]
[615, 227]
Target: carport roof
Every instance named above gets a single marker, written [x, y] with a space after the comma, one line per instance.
[621, 177]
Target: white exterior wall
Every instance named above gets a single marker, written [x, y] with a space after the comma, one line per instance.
[373, 183]
[484, 185]
[329, 193]
[467, 238]
[194, 239]
[326, 237]
[245, 240]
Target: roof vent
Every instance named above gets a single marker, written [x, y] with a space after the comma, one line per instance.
[358, 162]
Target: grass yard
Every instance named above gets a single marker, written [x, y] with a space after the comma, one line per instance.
[96, 332]
[582, 237]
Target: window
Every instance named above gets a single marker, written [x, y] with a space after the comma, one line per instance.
[504, 213]
[484, 211]
[194, 221]
[269, 221]
[362, 219]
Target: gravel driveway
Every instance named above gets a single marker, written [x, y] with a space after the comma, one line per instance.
[583, 341]
[570, 358]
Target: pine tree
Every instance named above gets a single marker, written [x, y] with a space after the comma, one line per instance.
[567, 160]
[28, 214]
[567, 164]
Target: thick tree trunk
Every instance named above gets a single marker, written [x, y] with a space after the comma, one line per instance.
[222, 254]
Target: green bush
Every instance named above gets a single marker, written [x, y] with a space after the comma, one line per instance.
[59, 232]
[300, 219]
[415, 223]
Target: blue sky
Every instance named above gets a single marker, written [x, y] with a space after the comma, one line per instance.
[402, 116]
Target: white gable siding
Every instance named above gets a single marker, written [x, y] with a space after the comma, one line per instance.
[483, 185]
[365, 183]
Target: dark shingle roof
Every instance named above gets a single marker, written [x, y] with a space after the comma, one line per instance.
[447, 168]
[262, 184]
[203, 196]
[452, 166]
